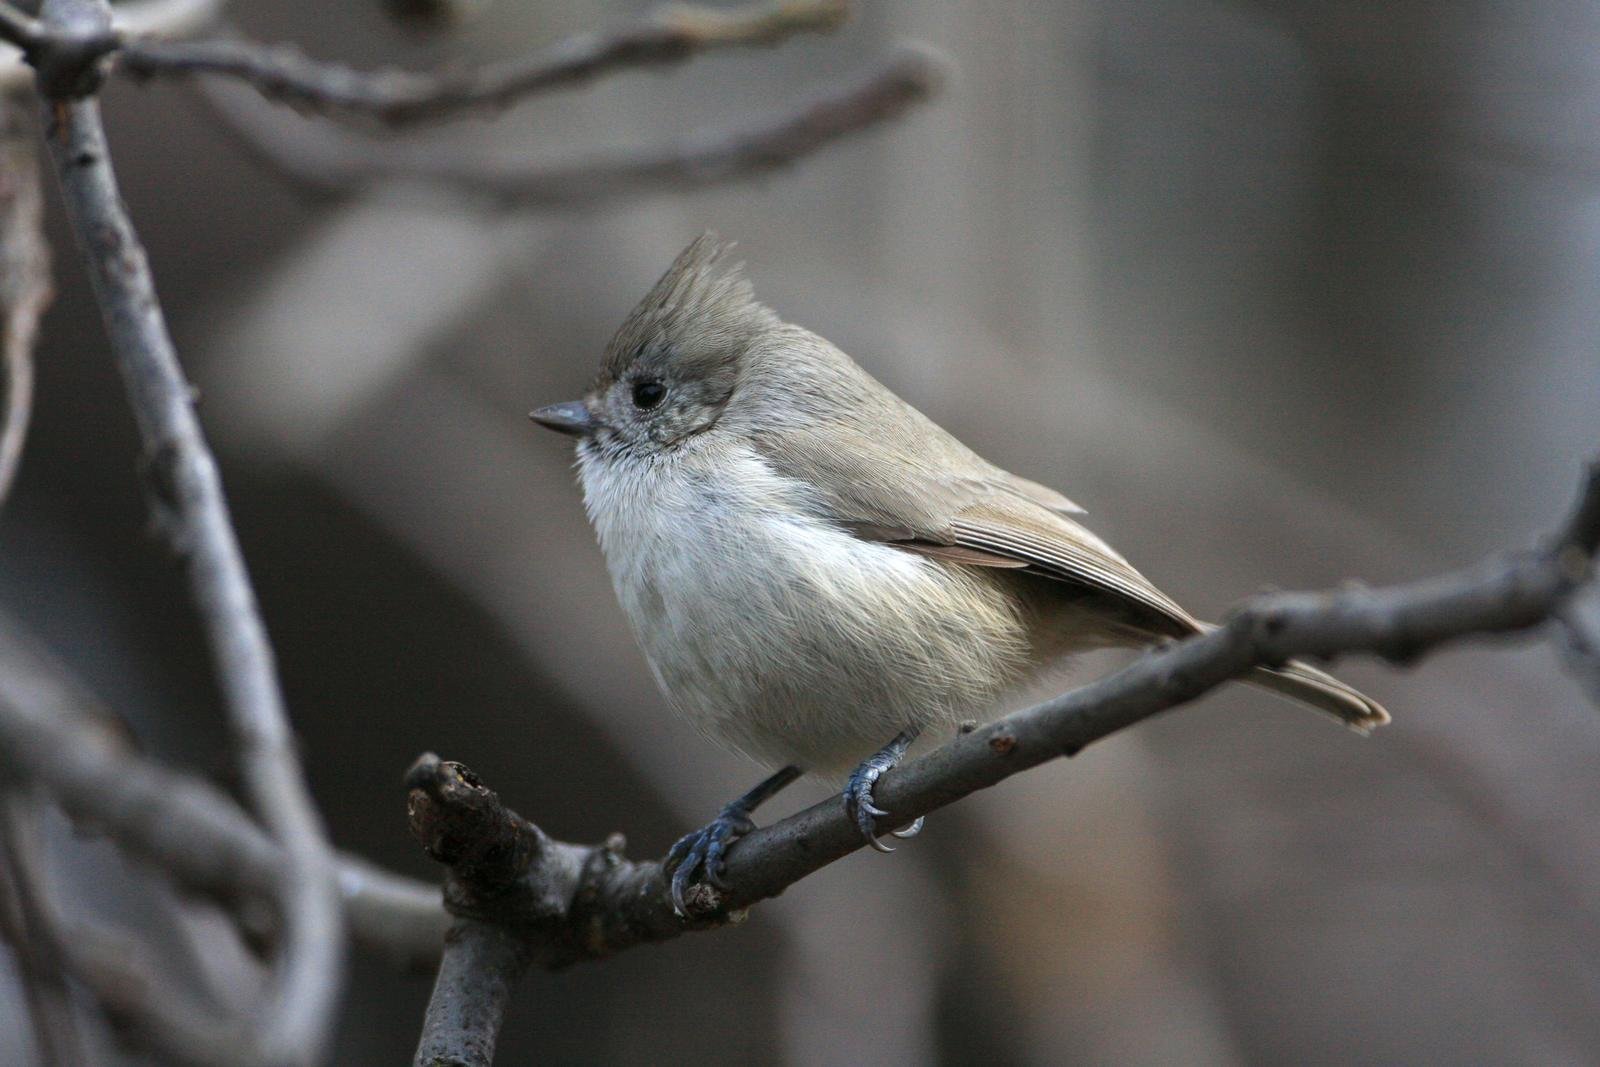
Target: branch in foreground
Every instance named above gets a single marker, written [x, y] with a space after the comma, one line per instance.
[668, 35]
[489, 849]
[481, 965]
[186, 494]
[572, 902]
[326, 161]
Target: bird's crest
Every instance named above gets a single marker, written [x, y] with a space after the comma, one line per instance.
[703, 306]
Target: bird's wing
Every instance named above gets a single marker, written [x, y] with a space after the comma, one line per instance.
[1055, 546]
[953, 505]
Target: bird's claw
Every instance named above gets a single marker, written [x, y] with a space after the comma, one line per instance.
[858, 795]
[909, 831]
[704, 850]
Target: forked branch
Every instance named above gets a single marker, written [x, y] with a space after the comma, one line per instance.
[668, 35]
[185, 492]
[327, 160]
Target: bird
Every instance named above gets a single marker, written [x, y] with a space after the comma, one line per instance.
[816, 572]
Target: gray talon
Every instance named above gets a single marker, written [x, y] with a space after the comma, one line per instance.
[858, 791]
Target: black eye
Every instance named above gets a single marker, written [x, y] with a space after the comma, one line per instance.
[647, 394]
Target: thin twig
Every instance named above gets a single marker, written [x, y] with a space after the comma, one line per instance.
[398, 918]
[186, 494]
[132, 18]
[668, 35]
[25, 289]
[328, 161]
[29, 922]
[575, 902]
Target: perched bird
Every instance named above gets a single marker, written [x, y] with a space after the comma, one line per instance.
[817, 572]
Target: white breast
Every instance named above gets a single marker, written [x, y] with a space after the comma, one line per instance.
[777, 632]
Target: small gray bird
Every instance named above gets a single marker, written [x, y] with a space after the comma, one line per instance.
[812, 566]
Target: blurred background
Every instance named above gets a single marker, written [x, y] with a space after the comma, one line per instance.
[1285, 293]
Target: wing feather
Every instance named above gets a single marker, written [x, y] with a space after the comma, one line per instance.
[953, 505]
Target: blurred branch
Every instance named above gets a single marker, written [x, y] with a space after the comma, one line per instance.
[670, 34]
[55, 734]
[398, 918]
[134, 18]
[572, 902]
[189, 508]
[25, 289]
[29, 923]
[327, 160]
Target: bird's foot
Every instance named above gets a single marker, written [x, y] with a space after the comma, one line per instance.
[703, 850]
[858, 791]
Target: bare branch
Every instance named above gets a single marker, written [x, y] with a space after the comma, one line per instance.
[28, 920]
[327, 161]
[133, 18]
[489, 849]
[481, 966]
[186, 494]
[668, 35]
[398, 918]
[574, 902]
[25, 289]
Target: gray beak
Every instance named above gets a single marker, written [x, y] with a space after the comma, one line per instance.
[571, 418]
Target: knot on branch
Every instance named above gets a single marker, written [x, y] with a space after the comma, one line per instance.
[567, 902]
[70, 64]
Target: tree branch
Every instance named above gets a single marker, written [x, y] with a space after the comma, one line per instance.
[481, 966]
[25, 289]
[489, 849]
[668, 35]
[572, 902]
[327, 161]
[56, 735]
[187, 498]
[29, 922]
[131, 18]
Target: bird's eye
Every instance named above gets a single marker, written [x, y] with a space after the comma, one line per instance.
[647, 394]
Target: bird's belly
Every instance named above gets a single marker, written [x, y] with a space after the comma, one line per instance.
[796, 642]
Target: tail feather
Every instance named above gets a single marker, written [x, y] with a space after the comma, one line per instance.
[1302, 682]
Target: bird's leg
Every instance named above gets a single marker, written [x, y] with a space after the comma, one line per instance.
[704, 848]
[858, 791]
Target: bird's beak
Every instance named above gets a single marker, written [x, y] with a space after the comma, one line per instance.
[571, 418]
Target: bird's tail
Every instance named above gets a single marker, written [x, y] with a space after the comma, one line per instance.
[1322, 691]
